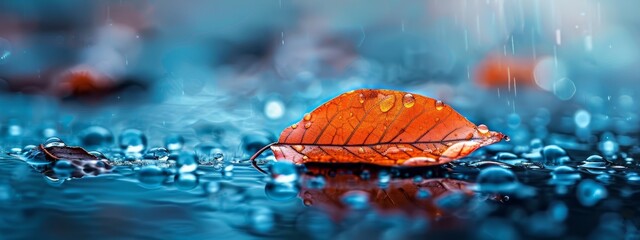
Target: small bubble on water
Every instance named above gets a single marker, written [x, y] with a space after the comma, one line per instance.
[132, 141]
[159, 153]
[564, 89]
[497, 180]
[506, 156]
[564, 175]
[590, 192]
[174, 142]
[53, 142]
[554, 155]
[355, 199]
[283, 172]
[95, 137]
[594, 162]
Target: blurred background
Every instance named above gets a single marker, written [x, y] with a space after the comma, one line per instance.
[162, 65]
[207, 83]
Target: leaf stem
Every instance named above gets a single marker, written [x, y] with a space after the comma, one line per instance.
[254, 163]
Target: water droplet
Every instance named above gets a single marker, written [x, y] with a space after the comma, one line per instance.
[227, 171]
[608, 147]
[283, 172]
[423, 193]
[439, 105]
[95, 137]
[307, 116]
[209, 153]
[513, 120]
[384, 178]
[582, 118]
[132, 141]
[305, 157]
[151, 177]
[506, 156]
[483, 129]
[633, 178]
[554, 155]
[274, 109]
[281, 191]
[361, 96]
[564, 175]
[387, 103]
[564, 89]
[361, 150]
[355, 199]
[262, 220]
[160, 153]
[186, 162]
[54, 142]
[64, 169]
[174, 142]
[186, 181]
[590, 192]
[307, 125]
[497, 180]
[315, 182]
[594, 162]
[408, 100]
[294, 126]
[298, 148]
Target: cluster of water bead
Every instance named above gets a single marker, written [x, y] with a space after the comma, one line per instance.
[590, 192]
[208, 153]
[95, 137]
[132, 141]
[158, 153]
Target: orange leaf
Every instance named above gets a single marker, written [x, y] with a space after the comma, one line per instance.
[382, 127]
